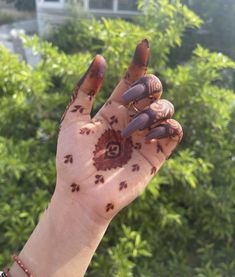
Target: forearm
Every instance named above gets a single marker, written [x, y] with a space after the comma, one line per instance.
[62, 244]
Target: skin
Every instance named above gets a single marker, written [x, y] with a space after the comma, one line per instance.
[102, 166]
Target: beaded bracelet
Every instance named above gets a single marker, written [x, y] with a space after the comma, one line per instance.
[23, 267]
[6, 272]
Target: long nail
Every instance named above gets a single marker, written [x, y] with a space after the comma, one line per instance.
[157, 133]
[137, 92]
[140, 122]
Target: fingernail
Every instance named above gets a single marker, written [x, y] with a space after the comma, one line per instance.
[137, 92]
[157, 133]
[138, 123]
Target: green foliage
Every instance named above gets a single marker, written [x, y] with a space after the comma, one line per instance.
[217, 32]
[184, 223]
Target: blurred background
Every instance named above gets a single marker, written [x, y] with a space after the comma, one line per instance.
[184, 223]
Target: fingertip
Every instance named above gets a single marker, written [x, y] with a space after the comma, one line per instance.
[93, 78]
[142, 53]
[145, 42]
[98, 66]
[170, 129]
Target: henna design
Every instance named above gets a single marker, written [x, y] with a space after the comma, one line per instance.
[99, 179]
[113, 119]
[153, 170]
[137, 146]
[68, 159]
[91, 94]
[140, 59]
[86, 131]
[77, 108]
[135, 167]
[159, 148]
[109, 206]
[123, 185]
[112, 150]
[153, 85]
[75, 187]
[96, 72]
[173, 129]
[163, 109]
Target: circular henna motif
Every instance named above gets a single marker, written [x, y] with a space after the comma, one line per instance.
[112, 150]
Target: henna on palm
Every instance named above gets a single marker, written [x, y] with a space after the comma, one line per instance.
[119, 149]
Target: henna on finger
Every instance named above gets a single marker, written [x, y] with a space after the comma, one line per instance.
[139, 62]
[148, 86]
[149, 118]
[168, 129]
[86, 89]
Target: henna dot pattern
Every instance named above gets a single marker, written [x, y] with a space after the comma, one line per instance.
[109, 207]
[77, 108]
[135, 167]
[112, 150]
[99, 179]
[75, 187]
[68, 159]
[123, 185]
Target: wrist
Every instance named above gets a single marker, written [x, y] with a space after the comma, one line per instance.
[63, 242]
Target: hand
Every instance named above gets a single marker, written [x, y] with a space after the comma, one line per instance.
[105, 162]
[102, 164]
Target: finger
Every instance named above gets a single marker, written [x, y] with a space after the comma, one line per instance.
[136, 69]
[143, 92]
[81, 102]
[164, 138]
[159, 143]
[167, 129]
[150, 117]
[148, 86]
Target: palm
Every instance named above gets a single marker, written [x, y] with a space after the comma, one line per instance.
[98, 167]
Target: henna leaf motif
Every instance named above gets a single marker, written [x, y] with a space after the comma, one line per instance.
[123, 185]
[68, 159]
[109, 206]
[99, 179]
[135, 167]
[75, 187]
[77, 108]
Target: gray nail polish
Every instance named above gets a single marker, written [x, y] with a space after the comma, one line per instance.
[157, 133]
[136, 92]
[138, 123]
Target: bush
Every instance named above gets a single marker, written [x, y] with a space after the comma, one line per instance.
[184, 223]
